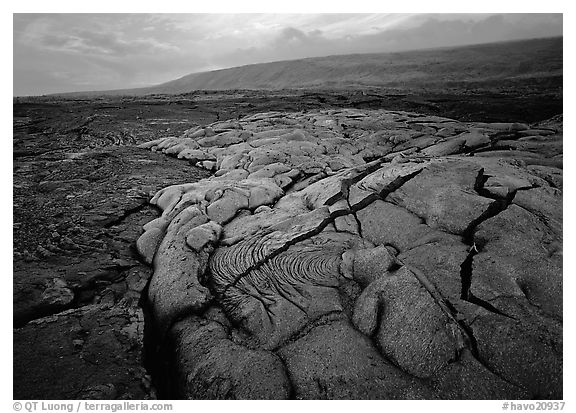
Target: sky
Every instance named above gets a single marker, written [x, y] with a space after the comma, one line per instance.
[80, 52]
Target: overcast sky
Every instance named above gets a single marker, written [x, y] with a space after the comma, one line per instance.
[75, 52]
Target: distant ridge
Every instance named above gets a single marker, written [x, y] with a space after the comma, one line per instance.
[429, 68]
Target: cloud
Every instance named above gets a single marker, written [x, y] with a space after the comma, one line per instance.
[92, 52]
[65, 52]
[101, 39]
[436, 32]
[433, 31]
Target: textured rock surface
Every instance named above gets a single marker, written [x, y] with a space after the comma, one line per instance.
[361, 254]
[98, 355]
[77, 280]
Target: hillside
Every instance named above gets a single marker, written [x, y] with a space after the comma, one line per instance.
[517, 61]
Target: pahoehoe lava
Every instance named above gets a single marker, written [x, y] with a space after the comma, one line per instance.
[358, 254]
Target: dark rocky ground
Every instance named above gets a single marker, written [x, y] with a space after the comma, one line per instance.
[81, 192]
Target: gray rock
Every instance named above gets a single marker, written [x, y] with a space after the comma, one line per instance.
[211, 366]
[334, 361]
[443, 262]
[413, 330]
